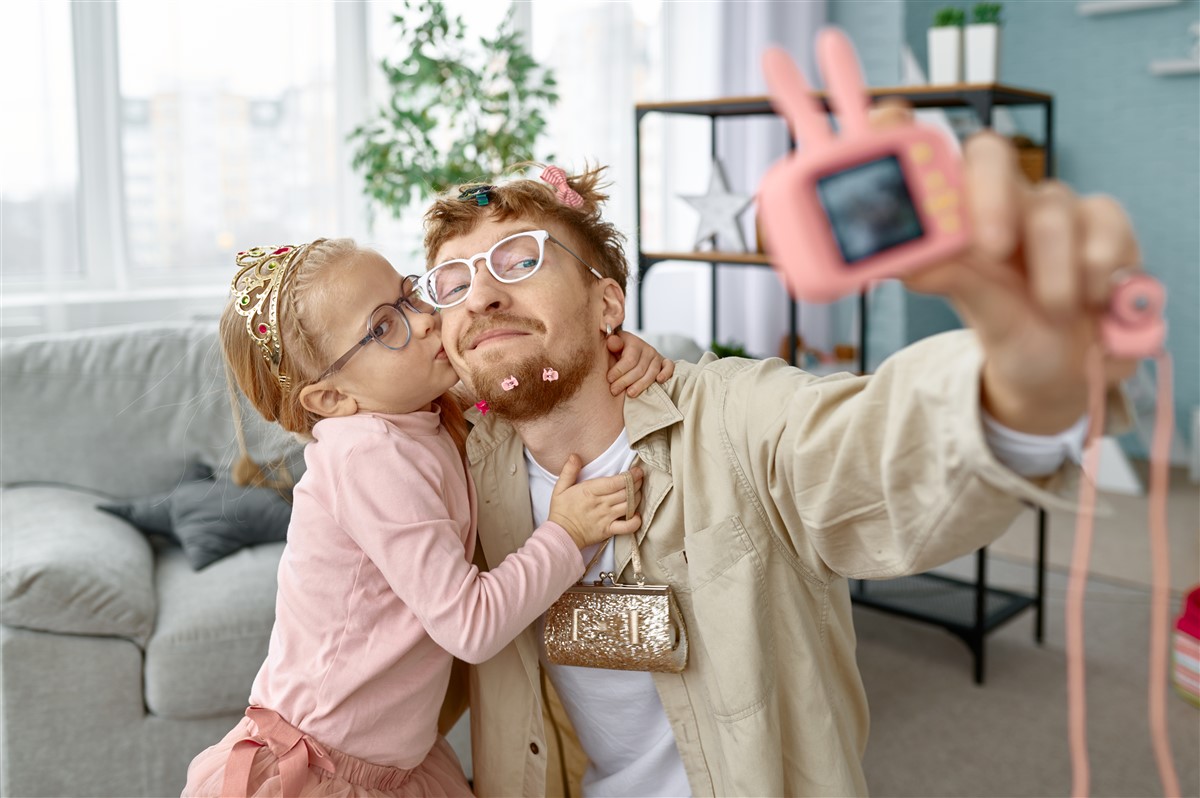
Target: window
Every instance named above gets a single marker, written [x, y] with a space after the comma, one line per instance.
[227, 131]
[156, 139]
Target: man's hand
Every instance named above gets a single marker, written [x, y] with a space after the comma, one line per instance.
[1033, 285]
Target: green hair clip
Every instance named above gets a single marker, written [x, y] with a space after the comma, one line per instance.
[481, 194]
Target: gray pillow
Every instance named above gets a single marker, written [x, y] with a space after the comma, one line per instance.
[210, 517]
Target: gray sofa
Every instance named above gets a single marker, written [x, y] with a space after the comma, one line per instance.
[120, 662]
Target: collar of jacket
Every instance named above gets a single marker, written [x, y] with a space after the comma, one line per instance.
[645, 415]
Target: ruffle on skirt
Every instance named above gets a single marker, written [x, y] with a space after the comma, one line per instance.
[263, 756]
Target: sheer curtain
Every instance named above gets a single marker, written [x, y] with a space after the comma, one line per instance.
[39, 164]
[609, 56]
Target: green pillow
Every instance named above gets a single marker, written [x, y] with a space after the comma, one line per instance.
[210, 517]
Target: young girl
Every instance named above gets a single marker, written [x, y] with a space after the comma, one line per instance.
[377, 592]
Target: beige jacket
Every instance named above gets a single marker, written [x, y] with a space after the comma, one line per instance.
[765, 489]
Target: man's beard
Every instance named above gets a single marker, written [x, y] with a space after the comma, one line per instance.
[533, 397]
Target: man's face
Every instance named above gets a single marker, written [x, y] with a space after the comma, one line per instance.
[502, 331]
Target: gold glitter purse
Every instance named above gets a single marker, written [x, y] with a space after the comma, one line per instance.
[621, 627]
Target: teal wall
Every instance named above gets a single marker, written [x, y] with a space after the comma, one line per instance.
[1119, 130]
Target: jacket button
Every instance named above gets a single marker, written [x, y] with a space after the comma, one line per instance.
[533, 747]
[512, 470]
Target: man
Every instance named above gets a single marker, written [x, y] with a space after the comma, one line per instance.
[765, 488]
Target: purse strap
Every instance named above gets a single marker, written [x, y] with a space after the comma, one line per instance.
[630, 509]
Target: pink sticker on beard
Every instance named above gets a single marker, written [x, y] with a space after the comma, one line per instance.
[549, 375]
[509, 383]
[483, 407]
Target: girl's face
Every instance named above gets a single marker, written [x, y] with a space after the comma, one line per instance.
[378, 379]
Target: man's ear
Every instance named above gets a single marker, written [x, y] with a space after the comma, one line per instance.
[323, 400]
[613, 304]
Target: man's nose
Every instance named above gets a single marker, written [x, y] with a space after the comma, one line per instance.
[487, 293]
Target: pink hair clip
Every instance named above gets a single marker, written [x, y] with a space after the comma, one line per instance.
[483, 407]
[509, 383]
[549, 375]
[555, 176]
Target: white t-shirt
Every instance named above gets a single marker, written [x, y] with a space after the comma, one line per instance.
[617, 714]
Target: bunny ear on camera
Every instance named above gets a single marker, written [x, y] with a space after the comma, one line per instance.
[792, 98]
[840, 68]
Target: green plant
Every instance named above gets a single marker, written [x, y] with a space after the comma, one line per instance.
[986, 13]
[459, 110]
[947, 17]
[731, 349]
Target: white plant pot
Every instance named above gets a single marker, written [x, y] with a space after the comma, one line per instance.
[945, 55]
[983, 53]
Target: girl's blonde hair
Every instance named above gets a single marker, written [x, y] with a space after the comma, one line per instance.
[304, 356]
[452, 216]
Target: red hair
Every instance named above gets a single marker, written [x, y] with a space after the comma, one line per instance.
[524, 198]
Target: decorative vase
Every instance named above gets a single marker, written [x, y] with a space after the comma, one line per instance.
[945, 54]
[983, 53]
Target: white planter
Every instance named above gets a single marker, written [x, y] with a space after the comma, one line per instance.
[945, 55]
[983, 53]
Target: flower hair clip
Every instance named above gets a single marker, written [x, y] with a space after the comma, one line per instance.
[556, 177]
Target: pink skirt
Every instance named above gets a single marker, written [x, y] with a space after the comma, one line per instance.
[265, 757]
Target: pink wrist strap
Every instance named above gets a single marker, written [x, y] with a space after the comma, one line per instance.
[1160, 570]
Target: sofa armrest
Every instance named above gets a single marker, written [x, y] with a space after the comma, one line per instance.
[69, 568]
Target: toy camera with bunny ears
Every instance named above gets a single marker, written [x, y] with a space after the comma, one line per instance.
[844, 210]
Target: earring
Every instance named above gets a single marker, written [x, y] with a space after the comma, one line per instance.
[608, 329]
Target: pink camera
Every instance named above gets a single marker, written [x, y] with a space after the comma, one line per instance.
[1134, 326]
[843, 211]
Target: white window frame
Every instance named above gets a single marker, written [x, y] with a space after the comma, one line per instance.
[103, 231]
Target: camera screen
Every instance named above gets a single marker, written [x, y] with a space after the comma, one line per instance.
[870, 208]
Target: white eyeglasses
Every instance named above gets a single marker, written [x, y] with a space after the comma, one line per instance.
[510, 260]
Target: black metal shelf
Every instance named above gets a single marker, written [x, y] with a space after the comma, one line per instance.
[943, 600]
[969, 610]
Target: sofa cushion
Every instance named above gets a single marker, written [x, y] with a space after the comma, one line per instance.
[212, 631]
[68, 568]
[210, 518]
[132, 405]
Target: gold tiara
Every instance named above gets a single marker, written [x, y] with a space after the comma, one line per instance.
[257, 286]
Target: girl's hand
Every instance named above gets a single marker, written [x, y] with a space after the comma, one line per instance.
[594, 510]
[639, 367]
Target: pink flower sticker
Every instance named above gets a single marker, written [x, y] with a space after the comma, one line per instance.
[483, 407]
[509, 383]
[549, 375]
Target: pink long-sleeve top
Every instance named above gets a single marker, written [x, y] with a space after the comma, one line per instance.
[377, 589]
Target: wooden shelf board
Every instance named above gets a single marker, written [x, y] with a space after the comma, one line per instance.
[709, 256]
[919, 96]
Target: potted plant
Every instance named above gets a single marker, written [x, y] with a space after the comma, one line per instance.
[946, 46]
[983, 44]
[458, 109]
